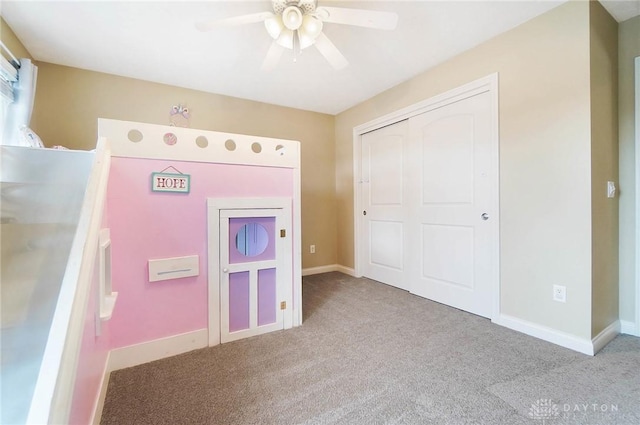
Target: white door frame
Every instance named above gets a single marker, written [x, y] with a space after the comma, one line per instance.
[485, 84]
[293, 296]
[637, 206]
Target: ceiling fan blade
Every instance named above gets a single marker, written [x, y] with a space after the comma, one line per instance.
[330, 52]
[359, 17]
[236, 20]
[273, 56]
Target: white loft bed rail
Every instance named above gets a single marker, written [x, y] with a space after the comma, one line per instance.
[53, 393]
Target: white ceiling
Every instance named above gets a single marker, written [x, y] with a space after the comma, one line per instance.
[157, 41]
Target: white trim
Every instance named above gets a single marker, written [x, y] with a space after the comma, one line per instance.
[482, 85]
[292, 316]
[495, 201]
[310, 271]
[472, 88]
[346, 270]
[213, 265]
[628, 328]
[137, 354]
[606, 336]
[274, 152]
[98, 406]
[572, 342]
[637, 209]
[545, 333]
[297, 247]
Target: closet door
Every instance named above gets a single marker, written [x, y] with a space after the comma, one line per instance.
[427, 192]
[384, 200]
[251, 272]
[450, 250]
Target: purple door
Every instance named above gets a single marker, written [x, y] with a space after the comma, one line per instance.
[249, 259]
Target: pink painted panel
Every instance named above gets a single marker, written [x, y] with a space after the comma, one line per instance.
[236, 224]
[150, 225]
[266, 296]
[239, 289]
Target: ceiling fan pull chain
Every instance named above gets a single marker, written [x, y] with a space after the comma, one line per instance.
[296, 46]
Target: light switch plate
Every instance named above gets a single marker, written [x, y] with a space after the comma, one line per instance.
[611, 189]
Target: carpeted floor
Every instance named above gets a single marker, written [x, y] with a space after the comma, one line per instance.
[368, 353]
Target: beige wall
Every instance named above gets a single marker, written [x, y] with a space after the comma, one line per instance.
[545, 160]
[604, 167]
[69, 101]
[10, 40]
[629, 49]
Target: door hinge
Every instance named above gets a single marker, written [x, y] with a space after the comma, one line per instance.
[283, 233]
[283, 305]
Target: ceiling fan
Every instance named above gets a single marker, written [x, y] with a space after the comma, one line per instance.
[297, 24]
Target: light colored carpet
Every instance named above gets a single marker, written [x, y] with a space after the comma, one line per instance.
[368, 353]
[601, 390]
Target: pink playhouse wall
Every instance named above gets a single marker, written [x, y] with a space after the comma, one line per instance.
[150, 225]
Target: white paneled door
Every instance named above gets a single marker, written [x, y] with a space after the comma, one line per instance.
[451, 248]
[427, 192]
[385, 204]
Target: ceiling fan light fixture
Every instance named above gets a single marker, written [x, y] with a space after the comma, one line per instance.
[292, 17]
[286, 39]
[304, 39]
[274, 26]
[311, 26]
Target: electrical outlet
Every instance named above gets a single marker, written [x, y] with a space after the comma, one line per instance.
[312, 249]
[560, 293]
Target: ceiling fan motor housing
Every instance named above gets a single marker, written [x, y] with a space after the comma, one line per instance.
[305, 6]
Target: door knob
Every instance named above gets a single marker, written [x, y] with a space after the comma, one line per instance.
[225, 270]
[485, 216]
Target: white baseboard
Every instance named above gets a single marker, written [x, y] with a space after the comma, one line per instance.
[137, 354]
[554, 336]
[346, 270]
[321, 269]
[629, 328]
[329, 268]
[606, 336]
[99, 404]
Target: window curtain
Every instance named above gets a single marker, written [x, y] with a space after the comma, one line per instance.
[17, 113]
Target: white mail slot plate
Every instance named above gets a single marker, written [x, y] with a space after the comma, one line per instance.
[173, 268]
